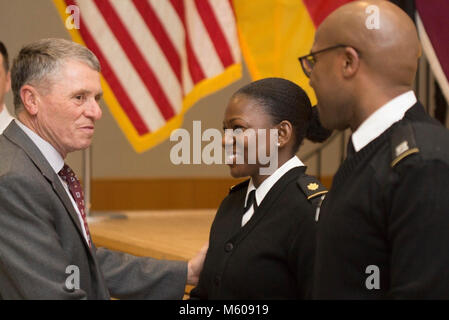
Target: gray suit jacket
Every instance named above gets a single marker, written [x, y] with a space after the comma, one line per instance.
[42, 248]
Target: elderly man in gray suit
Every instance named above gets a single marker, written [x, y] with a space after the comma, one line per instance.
[44, 237]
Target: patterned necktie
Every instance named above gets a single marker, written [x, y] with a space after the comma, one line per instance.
[77, 193]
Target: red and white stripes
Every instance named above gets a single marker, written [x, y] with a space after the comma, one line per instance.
[154, 52]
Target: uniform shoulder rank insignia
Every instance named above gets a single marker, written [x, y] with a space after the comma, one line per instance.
[311, 186]
[239, 186]
[403, 143]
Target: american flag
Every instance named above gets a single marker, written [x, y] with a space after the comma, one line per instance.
[158, 57]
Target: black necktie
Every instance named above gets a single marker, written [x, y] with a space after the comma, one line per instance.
[251, 201]
[350, 148]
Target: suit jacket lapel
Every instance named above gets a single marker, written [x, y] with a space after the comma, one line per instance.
[63, 196]
[17, 136]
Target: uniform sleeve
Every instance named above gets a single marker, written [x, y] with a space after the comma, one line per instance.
[130, 277]
[418, 232]
[33, 263]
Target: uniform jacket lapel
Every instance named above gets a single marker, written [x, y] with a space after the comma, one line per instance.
[266, 206]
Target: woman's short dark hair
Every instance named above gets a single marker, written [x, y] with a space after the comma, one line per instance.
[285, 100]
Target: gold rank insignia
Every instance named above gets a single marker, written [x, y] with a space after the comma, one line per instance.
[312, 186]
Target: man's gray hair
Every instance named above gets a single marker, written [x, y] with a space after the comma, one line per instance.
[37, 62]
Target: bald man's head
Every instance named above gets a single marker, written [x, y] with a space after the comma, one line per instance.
[382, 51]
[390, 48]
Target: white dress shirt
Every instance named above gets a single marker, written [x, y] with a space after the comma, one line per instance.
[382, 119]
[5, 119]
[267, 184]
[56, 162]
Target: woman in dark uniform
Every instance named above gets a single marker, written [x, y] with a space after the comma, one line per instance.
[262, 240]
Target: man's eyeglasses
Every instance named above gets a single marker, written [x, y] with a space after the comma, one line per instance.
[308, 61]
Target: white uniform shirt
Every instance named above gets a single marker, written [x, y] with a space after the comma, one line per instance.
[382, 119]
[5, 119]
[267, 184]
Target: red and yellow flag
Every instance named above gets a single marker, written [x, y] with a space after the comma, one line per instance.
[274, 33]
[159, 57]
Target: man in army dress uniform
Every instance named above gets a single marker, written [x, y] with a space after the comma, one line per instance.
[383, 228]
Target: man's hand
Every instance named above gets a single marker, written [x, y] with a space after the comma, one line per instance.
[195, 266]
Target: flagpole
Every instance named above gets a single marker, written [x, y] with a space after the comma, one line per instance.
[87, 179]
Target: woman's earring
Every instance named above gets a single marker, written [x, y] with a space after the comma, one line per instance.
[278, 144]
